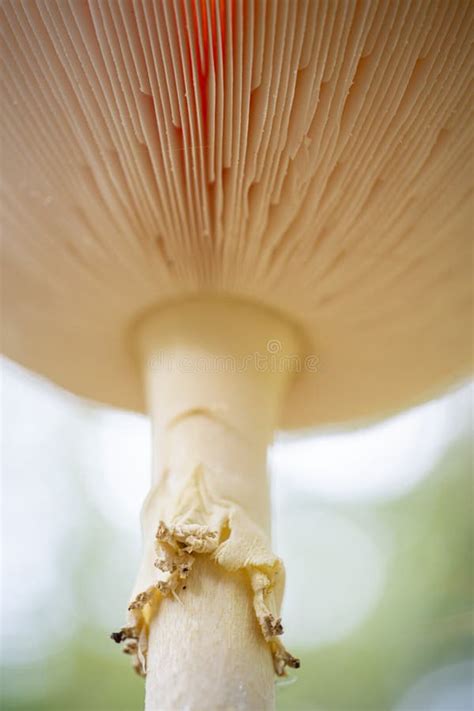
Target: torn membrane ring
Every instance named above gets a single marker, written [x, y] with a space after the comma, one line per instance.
[176, 547]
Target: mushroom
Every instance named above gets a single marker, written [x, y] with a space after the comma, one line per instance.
[237, 216]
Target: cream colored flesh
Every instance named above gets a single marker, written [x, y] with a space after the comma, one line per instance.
[204, 625]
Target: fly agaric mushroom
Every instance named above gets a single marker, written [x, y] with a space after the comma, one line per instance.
[266, 206]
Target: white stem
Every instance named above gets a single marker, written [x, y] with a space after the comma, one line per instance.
[207, 619]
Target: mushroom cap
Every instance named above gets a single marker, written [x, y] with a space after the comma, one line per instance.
[310, 156]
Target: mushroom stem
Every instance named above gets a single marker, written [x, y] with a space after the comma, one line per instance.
[205, 606]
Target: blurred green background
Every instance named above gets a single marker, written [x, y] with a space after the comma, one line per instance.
[375, 527]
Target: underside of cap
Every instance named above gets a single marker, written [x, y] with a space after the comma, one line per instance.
[314, 157]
